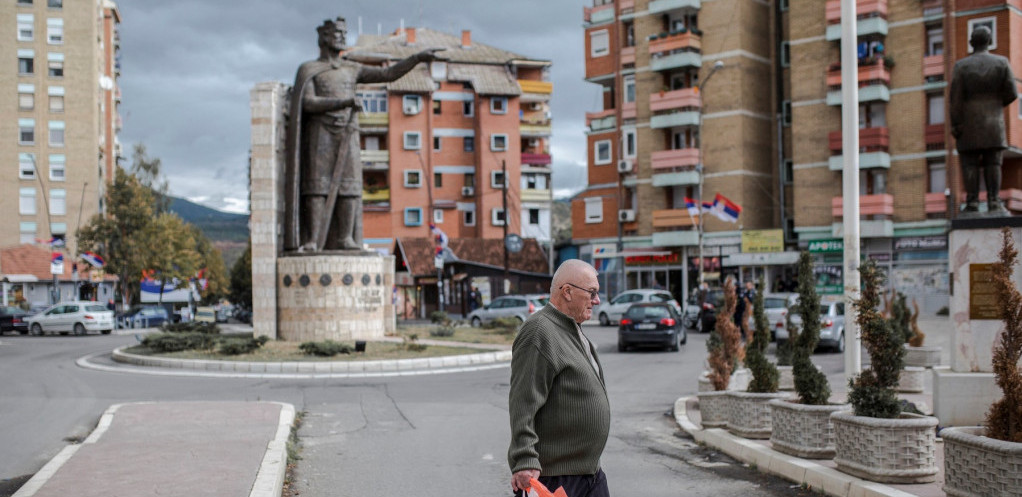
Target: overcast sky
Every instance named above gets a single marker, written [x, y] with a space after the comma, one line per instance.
[187, 67]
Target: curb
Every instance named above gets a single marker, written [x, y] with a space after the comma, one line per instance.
[269, 481]
[816, 476]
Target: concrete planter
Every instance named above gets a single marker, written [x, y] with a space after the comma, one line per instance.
[713, 408]
[900, 450]
[911, 380]
[922, 357]
[977, 466]
[749, 413]
[739, 380]
[803, 430]
[786, 382]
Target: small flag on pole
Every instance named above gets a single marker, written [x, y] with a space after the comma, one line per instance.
[93, 259]
[725, 209]
[692, 206]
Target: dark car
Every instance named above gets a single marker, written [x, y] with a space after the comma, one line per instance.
[13, 319]
[651, 324]
[149, 316]
[708, 314]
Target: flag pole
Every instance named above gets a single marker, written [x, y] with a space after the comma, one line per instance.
[850, 178]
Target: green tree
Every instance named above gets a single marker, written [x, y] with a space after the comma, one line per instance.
[211, 263]
[148, 171]
[241, 279]
[872, 392]
[810, 384]
[764, 374]
[121, 235]
[172, 256]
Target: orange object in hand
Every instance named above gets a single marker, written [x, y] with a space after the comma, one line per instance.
[537, 488]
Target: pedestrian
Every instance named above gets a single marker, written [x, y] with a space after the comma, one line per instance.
[560, 414]
[473, 299]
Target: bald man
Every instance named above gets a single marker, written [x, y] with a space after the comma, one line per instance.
[560, 415]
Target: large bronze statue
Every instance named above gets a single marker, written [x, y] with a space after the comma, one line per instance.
[323, 180]
[981, 86]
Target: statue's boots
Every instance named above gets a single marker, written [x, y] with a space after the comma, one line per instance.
[995, 206]
[348, 217]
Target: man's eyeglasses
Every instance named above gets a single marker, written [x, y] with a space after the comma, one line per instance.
[593, 294]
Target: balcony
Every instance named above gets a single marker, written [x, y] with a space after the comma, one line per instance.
[936, 203]
[667, 6]
[869, 205]
[599, 14]
[683, 99]
[534, 117]
[375, 195]
[864, 27]
[373, 120]
[528, 195]
[665, 43]
[628, 56]
[670, 159]
[667, 62]
[867, 160]
[863, 8]
[934, 136]
[535, 159]
[534, 130]
[933, 66]
[531, 86]
[684, 118]
[375, 159]
[870, 139]
[674, 218]
[601, 121]
[871, 74]
[664, 178]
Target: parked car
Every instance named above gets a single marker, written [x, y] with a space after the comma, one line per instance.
[611, 311]
[13, 319]
[148, 316]
[775, 306]
[223, 313]
[655, 324]
[77, 317]
[708, 314]
[832, 326]
[516, 306]
[205, 314]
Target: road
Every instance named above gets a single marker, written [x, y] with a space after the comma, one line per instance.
[423, 435]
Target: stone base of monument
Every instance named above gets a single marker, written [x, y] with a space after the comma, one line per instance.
[335, 296]
[963, 399]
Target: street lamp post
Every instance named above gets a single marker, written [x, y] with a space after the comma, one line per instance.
[55, 292]
[702, 167]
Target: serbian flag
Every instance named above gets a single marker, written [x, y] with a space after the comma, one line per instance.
[692, 206]
[56, 258]
[725, 209]
[93, 259]
[439, 236]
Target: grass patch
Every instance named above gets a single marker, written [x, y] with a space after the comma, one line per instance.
[279, 351]
[465, 334]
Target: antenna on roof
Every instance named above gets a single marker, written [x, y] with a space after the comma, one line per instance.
[379, 29]
[360, 25]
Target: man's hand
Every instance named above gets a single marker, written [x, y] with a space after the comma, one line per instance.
[429, 55]
[354, 103]
[520, 480]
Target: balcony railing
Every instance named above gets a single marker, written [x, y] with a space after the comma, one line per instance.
[670, 159]
[377, 157]
[598, 14]
[868, 74]
[870, 139]
[601, 121]
[934, 137]
[628, 56]
[863, 8]
[534, 130]
[666, 6]
[531, 86]
[376, 195]
[936, 203]
[685, 98]
[674, 218]
[665, 43]
[536, 195]
[869, 205]
[628, 110]
[373, 119]
[535, 159]
[534, 117]
[933, 65]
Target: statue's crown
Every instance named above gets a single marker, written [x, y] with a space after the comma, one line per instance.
[329, 27]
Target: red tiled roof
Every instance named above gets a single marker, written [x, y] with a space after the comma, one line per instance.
[419, 252]
[35, 260]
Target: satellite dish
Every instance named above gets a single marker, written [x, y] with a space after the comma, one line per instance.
[105, 82]
[514, 243]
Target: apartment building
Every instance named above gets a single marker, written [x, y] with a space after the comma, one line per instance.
[908, 173]
[60, 115]
[462, 143]
[669, 130]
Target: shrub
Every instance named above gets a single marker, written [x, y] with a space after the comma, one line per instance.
[764, 374]
[177, 342]
[725, 349]
[241, 345]
[1004, 420]
[442, 331]
[327, 348]
[900, 317]
[810, 384]
[504, 325]
[917, 338]
[438, 317]
[784, 348]
[191, 327]
[872, 392]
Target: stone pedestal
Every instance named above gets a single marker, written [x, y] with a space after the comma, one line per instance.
[338, 297]
[963, 394]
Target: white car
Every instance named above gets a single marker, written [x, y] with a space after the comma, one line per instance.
[610, 312]
[775, 306]
[72, 317]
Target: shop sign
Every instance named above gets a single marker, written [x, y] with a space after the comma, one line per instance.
[921, 243]
[652, 260]
[829, 279]
[604, 250]
[982, 292]
[760, 241]
[826, 246]
[881, 257]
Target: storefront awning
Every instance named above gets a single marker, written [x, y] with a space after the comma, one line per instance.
[20, 278]
[763, 259]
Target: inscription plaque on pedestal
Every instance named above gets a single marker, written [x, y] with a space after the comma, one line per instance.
[982, 294]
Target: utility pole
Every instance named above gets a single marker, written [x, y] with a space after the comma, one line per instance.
[850, 178]
[702, 167]
[55, 292]
[507, 256]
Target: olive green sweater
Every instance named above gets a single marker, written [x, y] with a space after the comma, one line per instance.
[560, 415]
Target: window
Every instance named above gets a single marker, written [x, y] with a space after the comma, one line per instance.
[411, 104]
[497, 179]
[468, 218]
[789, 171]
[56, 94]
[470, 143]
[26, 131]
[437, 109]
[990, 23]
[498, 105]
[629, 85]
[785, 54]
[372, 143]
[872, 181]
[601, 151]
[55, 31]
[529, 181]
[413, 216]
[438, 216]
[26, 62]
[24, 2]
[534, 216]
[413, 140]
[497, 217]
[26, 30]
[935, 108]
[784, 5]
[56, 133]
[599, 43]
[26, 166]
[686, 138]
[58, 230]
[470, 179]
[55, 4]
[438, 70]
[629, 139]
[26, 201]
[594, 210]
[498, 142]
[58, 163]
[58, 202]
[373, 101]
[629, 34]
[413, 179]
[26, 97]
[872, 115]
[436, 143]
[468, 107]
[27, 232]
[786, 112]
[934, 40]
[55, 65]
[937, 173]
[438, 180]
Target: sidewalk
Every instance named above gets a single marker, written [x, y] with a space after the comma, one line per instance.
[215, 449]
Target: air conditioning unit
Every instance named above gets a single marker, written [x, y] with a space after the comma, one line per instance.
[468, 191]
[537, 106]
[411, 109]
[626, 215]
[624, 166]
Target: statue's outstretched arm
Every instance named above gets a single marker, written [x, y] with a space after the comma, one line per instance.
[370, 74]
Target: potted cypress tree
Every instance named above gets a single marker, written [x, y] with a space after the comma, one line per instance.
[787, 378]
[875, 440]
[725, 354]
[749, 414]
[986, 460]
[916, 353]
[913, 374]
[802, 427]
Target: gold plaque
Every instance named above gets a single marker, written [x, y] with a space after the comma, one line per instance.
[982, 293]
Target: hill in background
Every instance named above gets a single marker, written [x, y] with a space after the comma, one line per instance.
[227, 231]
